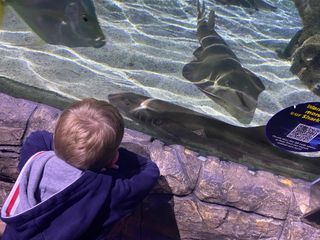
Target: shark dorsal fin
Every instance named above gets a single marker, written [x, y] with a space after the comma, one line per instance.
[211, 19]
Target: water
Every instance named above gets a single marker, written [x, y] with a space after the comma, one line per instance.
[148, 43]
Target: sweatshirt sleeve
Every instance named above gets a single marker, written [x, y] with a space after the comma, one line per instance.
[132, 190]
[36, 142]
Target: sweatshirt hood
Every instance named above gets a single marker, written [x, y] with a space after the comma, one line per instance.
[42, 176]
[70, 213]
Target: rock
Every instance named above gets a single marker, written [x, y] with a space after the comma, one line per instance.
[5, 188]
[233, 185]
[301, 198]
[167, 217]
[14, 116]
[176, 177]
[9, 157]
[294, 229]
[154, 220]
[43, 118]
[136, 142]
[190, 162]
[211, 221]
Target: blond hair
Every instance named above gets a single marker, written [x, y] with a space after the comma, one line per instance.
[88, 134]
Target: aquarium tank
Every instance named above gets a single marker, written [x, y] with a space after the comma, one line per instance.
[236, 79]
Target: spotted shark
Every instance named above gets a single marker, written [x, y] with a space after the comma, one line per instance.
[218, 73]
[176, 121]
[72, 23]
[176, 124]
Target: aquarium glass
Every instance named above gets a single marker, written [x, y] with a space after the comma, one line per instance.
[149, 44]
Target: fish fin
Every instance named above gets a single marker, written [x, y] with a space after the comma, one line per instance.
[201, 10]
[291, 46]
[205, 86]
[179, 131]
[211, 19]
[197, 53]
[195, 71]
[256, 80]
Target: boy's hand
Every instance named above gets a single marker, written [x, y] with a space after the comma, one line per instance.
[2, 227]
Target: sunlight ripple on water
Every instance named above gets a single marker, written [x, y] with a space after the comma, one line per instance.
[148, 43]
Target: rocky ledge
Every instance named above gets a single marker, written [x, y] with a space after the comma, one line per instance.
[196, 197]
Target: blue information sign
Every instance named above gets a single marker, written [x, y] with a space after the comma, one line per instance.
[296, 128]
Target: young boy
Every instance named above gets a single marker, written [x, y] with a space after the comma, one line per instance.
[78, 182]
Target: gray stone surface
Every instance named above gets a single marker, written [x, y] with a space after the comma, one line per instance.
[199, 220]
[176, 177]
[159, 222]
[294, 229]
[136, 141]
[4, 191]
[301, 197]
[9, 157]
[14, 116]
[196, 197]
[232, 184]
[43, 118]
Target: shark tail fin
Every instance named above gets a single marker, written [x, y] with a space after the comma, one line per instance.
[201, 9]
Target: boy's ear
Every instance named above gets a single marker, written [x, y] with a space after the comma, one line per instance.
[114, 160]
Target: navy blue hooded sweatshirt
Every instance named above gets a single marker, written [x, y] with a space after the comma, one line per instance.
[85, 209]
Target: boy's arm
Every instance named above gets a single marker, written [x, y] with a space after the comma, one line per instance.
[2, 227]
[36, 142]
[128, 162]
[142, 176]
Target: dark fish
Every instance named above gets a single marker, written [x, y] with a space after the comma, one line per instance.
[219, 74]
[288, 51]
[306, 63]
[256, 4]
[177, 122]
[72, 23]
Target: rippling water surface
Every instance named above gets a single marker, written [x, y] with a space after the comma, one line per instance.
[148, 43]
